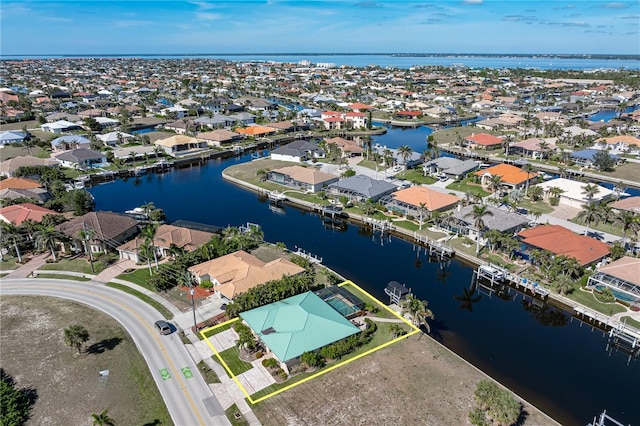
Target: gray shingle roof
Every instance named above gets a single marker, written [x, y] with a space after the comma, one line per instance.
[370, 188]
[501, 220]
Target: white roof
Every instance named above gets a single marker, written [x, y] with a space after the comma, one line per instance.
[114, 136]
[60, 124]
[105, 120]
[574, 189]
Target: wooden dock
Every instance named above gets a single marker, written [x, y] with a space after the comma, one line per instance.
[307, 255]
[434, 248]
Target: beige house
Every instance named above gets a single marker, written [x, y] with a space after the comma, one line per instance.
[167, 236]
[179, 145]
[240, 271]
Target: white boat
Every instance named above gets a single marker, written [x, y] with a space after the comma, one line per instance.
[137, 213]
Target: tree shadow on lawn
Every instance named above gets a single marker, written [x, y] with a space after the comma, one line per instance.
[104, 345]
[156, 422]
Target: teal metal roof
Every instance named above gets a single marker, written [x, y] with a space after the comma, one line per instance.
[297, 325]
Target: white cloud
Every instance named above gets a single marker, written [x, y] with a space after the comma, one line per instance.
[131, 23]
[472, 2]
[207, 16]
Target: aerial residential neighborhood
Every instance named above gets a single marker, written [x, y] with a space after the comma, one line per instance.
[502, 169]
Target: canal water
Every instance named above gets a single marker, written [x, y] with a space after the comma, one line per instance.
[544, 356]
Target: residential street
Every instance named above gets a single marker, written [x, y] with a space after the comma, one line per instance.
[186, 395]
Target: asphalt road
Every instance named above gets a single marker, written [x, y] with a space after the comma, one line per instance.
[185, 393]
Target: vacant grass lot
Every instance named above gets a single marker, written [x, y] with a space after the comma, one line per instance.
[413, 382]
[70, 387]
[627, 171]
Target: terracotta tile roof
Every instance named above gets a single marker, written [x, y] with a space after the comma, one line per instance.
[359, 106]
[19, 183]
[484, 139]
[433, 200]
[306, 174]
[176, 141]
[626, 268]
[18, 213]
[166, 235]
[631, 204]
[240, 271]
[560, 240]
[509, 174]
[256, 130]
[620, 139]
[108, 225]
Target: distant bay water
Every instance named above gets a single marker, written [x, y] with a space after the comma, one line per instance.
[575, 62]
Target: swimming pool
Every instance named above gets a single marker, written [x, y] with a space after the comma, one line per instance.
[618, 294]
[341, 306]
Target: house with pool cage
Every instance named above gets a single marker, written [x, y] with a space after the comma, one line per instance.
[621, 277]
[304, 323]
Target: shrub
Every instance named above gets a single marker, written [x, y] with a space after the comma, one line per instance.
[554, 201]
[283, 374]
[312, 359]
[269, 363]
[259, 355]
[206, 284]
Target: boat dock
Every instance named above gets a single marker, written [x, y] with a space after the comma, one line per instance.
[396, 292]
[498, 275]
[276, 198]
[307, 255]
[434, 248]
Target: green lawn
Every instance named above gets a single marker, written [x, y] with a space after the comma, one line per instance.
[603, 227]
[208, 374]
[466, 186]
[139, 276]
[537, 206]
[78, 264]
[415, 175]
[231, 416]
[9, 263]
[630, 321]
[166, 313]
[587, 299]
[233, 361]
[63, 277]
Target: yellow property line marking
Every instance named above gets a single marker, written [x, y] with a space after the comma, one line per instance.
[157, 339]
[320, 373]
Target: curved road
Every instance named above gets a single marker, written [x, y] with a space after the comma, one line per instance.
[187, 397]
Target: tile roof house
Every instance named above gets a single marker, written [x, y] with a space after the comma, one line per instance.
[218, 137]
[621, 276]
[500, 220]
[18, 213]
[178, 145]
[531, 147]
[166, 237]
[573, 192]
[10, 166]
[631, 204]
[19, 183]
[303, 178]
[82, 158]
[298, 151]
[408, 201]
[453, 168]
[67, 142]
[361, 188]
[12, 136]
[348, 147]
[110, 230]
[510, 176]
[585, 250]
[296, 325]
[240, 271]
[256, 130]
[483, 141]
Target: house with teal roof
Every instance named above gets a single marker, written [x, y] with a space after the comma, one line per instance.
[298, 324]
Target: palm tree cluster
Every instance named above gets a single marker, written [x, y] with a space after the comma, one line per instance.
[506, 243]
[246, 339]
[561, 271]
[172, 273]
[594, 213]
[416, 309]
[31, 235]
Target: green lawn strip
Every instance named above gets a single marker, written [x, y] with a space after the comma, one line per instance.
[63, 277]
[139, 276]
[233, 361]
[231, 415]
[219, 329]
[166, 313]
[381, 336]
[587, 299]
[9, 263]
[152, 408]
[74, 265]
[406, 224]
[415, 175]
[537, 206]
[2, 274]
[602, 227]
[209, 375]
[464, 186]
[630, 321]
[382, 311]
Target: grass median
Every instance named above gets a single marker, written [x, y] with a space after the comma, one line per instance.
[166, 313]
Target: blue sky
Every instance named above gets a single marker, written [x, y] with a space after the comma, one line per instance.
[463, 26]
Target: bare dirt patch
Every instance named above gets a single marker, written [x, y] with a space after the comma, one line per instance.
[69, 386]
[414, 382]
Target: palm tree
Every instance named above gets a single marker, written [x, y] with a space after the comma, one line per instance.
[493, 236]
[590, 213]
[47, 238]
[528, 169]
[149, 235]
[422, 209]
[477, 213]
[589, 191]
[11, 233]
[405, 152]
[495, 181]
[535, 193]
[76, 335]
[416, 308]
[630, 224]
[145, 251]
[102, 418]
[87, 235]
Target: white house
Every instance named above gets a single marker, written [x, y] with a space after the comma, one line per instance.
[573, 192]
